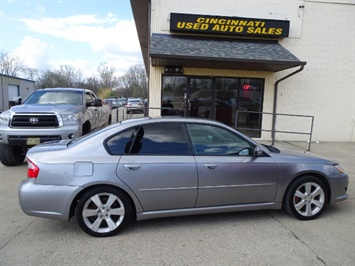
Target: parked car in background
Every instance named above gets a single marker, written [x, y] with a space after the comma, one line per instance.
[113, 103]
[121, 102]
[133, 105]
[46, 115]
[149, 168]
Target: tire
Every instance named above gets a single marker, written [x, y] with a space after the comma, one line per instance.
[86, 128]
[99, 219]
[11, 155]
[306, 198]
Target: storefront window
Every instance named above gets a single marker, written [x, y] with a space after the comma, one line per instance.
[174, 93]
[217, 98]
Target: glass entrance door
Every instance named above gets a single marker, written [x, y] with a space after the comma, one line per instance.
[217, 98]
[199, 98]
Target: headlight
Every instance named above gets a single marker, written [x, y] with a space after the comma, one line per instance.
[339, 168]
[69, 119]
[5, 117]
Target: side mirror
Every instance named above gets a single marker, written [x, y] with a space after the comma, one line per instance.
[97, 102]
[258, 151]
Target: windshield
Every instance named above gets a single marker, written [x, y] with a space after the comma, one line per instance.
[55, 97]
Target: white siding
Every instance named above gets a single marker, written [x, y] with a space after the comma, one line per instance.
[322, 33]
[326, 87]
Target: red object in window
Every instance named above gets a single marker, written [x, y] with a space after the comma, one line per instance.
[32, 169]
[246, 87]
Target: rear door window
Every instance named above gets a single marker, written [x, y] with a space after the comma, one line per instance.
[153, 139]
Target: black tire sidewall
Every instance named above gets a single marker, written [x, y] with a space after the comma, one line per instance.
[288, 203]
[103, 189]
[11, 155]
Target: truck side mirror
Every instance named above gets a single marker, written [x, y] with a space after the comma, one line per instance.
[97, 102]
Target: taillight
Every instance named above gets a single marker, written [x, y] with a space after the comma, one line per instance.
[32, 169]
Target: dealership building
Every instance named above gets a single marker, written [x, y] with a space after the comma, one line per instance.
[276, 70]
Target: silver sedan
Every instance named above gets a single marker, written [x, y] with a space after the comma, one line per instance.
[160, 167]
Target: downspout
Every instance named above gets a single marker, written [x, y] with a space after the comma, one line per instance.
[275, 102]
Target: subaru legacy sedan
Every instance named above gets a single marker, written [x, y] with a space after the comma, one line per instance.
[161, 167]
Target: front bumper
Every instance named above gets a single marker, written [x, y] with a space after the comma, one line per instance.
[18, 136]
[339, 185]
[46, 201]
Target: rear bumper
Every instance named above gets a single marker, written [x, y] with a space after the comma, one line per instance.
[46, 201]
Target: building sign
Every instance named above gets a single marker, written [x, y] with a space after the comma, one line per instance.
[232, 26]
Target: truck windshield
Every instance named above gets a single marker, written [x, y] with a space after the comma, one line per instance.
[55, 97]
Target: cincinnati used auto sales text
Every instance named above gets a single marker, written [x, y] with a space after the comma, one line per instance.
[229, 25]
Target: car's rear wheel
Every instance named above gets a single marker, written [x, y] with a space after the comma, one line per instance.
[306, 198]
[103, 211]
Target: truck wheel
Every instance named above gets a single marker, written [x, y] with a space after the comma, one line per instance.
[11, 155]
[86, 128]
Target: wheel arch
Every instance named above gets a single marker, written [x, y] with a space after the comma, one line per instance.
[75, 201]
[319, 176]
[86, 128]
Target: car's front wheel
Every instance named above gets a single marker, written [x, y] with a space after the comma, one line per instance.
[103, 211]
[306, 198]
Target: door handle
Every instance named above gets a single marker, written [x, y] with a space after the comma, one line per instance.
[210, 166]
[132, 166]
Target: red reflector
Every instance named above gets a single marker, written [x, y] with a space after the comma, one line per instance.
[32, 169]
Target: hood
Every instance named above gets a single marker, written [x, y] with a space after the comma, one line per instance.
[296, 156]
[45, 108]
[55, 145]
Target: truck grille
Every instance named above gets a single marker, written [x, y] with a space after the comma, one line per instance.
[34, 120]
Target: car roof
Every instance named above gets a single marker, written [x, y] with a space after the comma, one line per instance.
[158, 119]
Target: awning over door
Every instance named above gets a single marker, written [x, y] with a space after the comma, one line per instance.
[173, 50]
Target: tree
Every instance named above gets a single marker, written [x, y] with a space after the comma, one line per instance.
[107, 76]
[68, 76]
[65, 77]
[31, 73]
[134, 83]
[10, 65]
[93, 84]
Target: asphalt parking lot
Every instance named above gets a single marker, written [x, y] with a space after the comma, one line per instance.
[244, 238]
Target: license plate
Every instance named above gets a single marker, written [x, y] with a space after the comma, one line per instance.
[33, 141]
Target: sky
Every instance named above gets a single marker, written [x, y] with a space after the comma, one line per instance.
[80, 33]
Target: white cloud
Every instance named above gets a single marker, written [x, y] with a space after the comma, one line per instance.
[103, 34]
[116, 40]
[40, 9]
[33, 52]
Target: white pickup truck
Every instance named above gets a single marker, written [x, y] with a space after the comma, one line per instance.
[47, 115]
